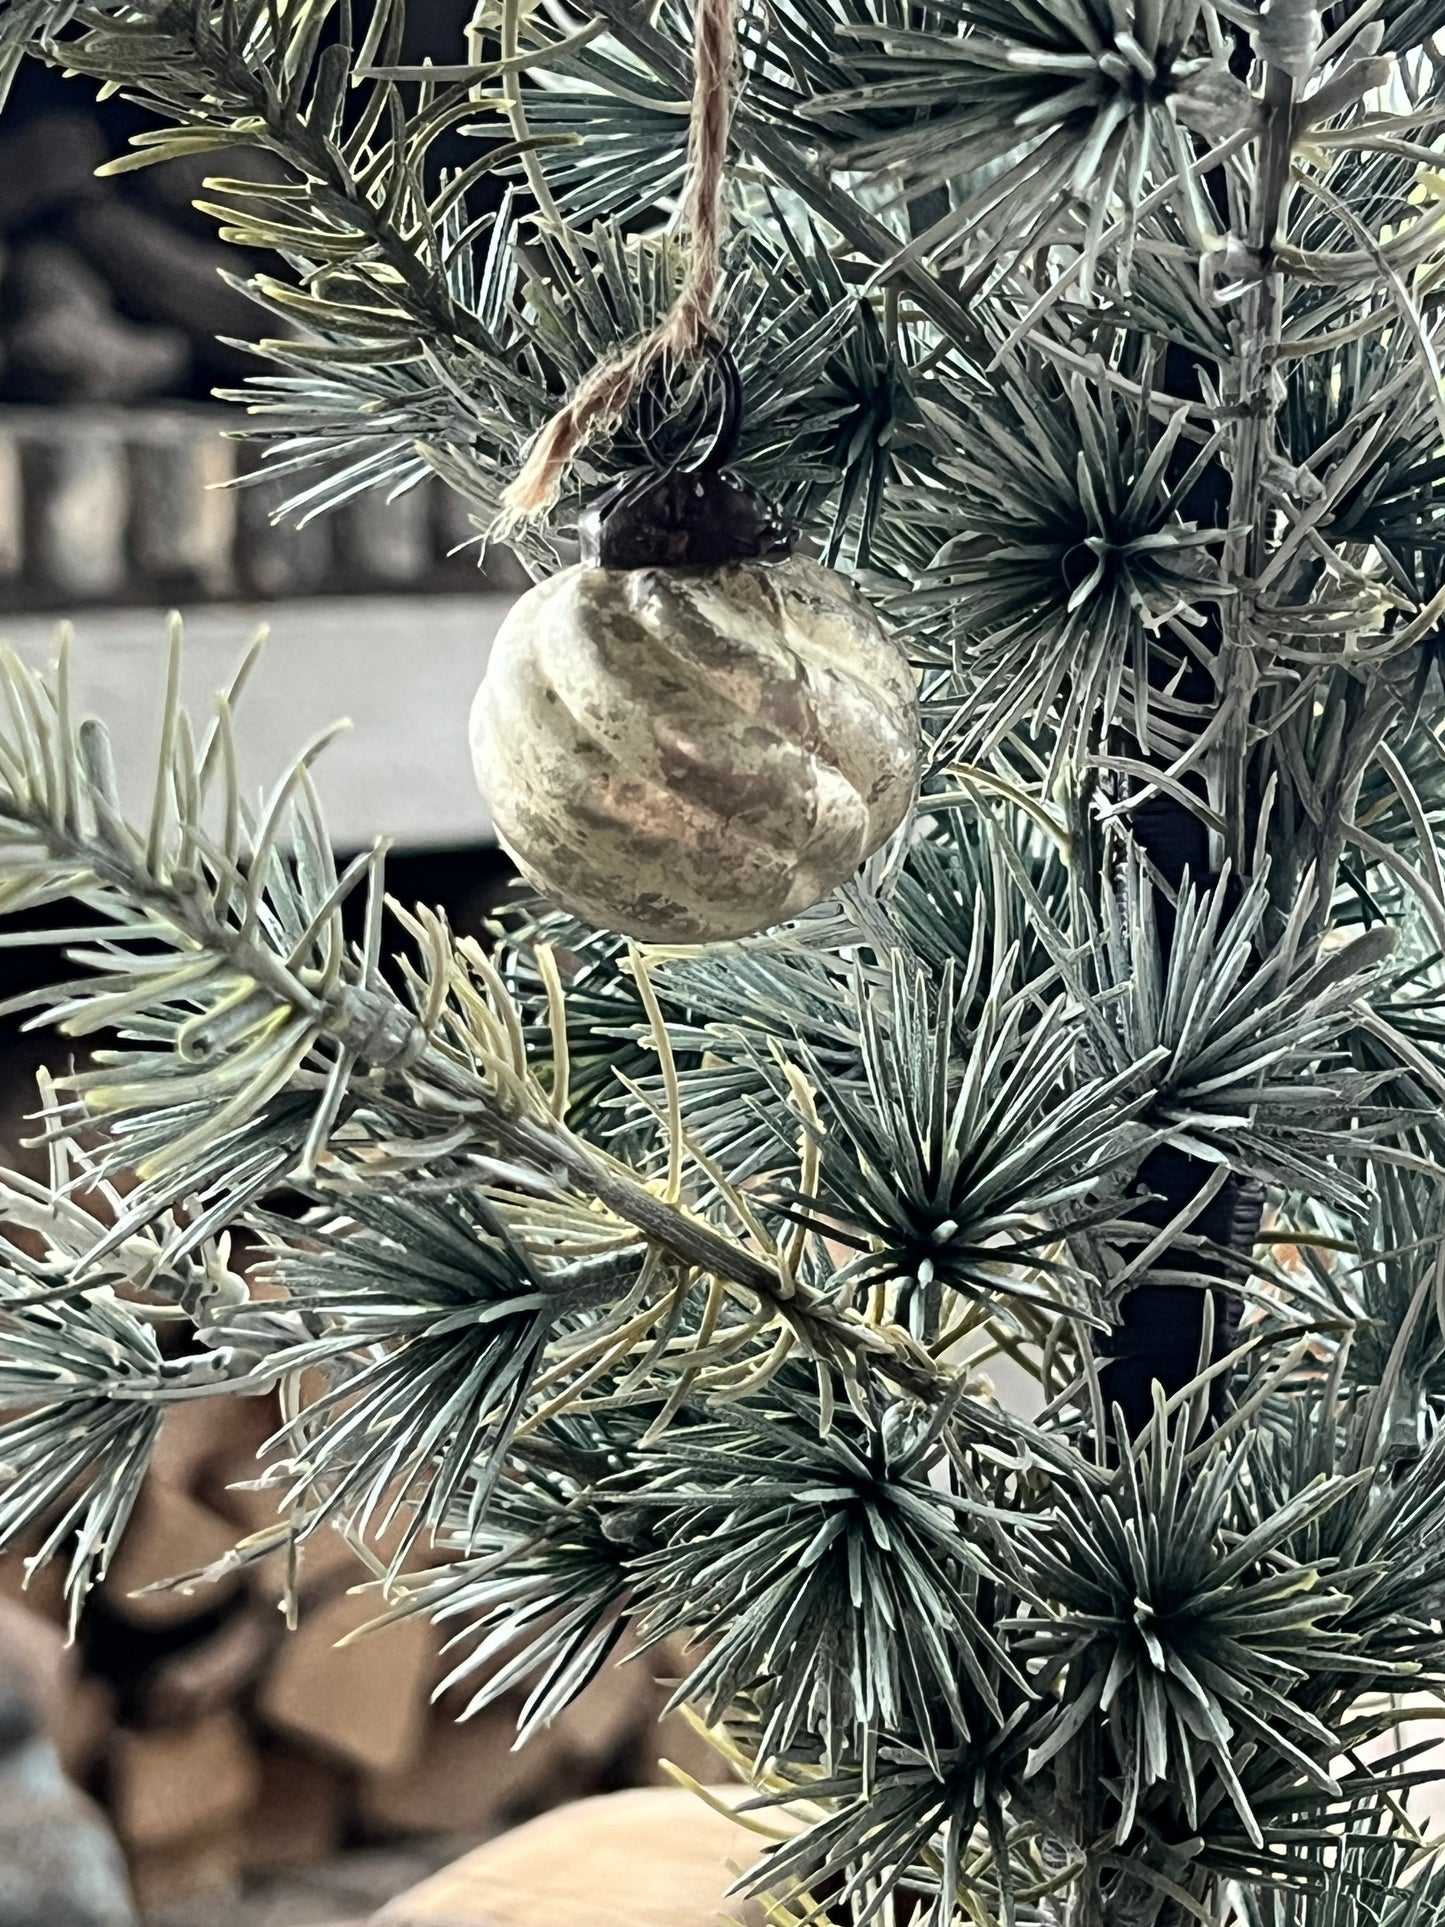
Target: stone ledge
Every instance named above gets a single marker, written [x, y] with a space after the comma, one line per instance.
[107, 505]
[403, 669]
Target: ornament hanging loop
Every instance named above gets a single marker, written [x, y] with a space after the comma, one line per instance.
[712, 440]
[687, 510]
[603, 397]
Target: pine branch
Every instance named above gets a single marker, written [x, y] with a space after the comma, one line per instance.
[1114, 372]
[260, 997]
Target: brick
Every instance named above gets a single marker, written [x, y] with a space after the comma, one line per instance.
[209, 1867]
[363, 1704]
[609, 1719]
[169, 1534]
[42, 1668]
[277, 558]
[162, 274]
[325, 1561]
[182, 1783]
[676, 1740]
[386, 543]
[83, 1726]
[184, 517]
[66, 342]
[212, 1674]
[174, 185]
[77, 491]
[300, 1814]
[468, 1779]
[12, 509]
[204, 1442]
[453, 526]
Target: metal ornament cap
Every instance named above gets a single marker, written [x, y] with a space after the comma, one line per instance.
[686, 755]
[682, 518]
[688, 509]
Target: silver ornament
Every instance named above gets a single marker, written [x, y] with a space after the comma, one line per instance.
[689, 755]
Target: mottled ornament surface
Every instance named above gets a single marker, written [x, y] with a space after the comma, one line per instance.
[688, 755]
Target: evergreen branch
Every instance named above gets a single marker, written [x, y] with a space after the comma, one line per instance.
[1065, 584]
[856, 1521]
[1236, 1031]
[198, 67]
[872, 239]
[543, 1588]
[258, 998]
[25, 27]
[592, 1242]
[80, 1362]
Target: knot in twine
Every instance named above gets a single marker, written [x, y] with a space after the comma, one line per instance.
[601, 399]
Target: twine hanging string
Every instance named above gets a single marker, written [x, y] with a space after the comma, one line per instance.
[601, 399]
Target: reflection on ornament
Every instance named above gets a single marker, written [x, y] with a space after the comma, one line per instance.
[691, 754]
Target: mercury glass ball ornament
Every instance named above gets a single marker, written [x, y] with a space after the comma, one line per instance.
[691, 754]
[694, 733]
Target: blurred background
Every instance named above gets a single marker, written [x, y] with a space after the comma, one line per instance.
[254, 1778]
[122, 494]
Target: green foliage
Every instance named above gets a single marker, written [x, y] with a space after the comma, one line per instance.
[857, 1613]
[1193, 1655]
[963, 1176]
[543, 1588]
[1075, 565]
[670, 1295]
[1230, 1038]
[1076, 104]
[439, 1319]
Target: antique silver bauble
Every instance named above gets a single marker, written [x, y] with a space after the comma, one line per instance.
[690, 754]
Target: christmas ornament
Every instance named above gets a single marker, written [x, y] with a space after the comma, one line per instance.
[685, 754]
[693, 733]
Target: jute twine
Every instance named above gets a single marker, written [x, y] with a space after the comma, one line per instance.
[600, 400]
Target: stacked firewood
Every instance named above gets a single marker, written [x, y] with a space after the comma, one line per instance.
[223, 1745]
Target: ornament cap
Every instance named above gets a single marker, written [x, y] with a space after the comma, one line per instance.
[689, 509]
[702, 518]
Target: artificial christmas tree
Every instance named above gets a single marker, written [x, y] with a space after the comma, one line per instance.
[662, 1288]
